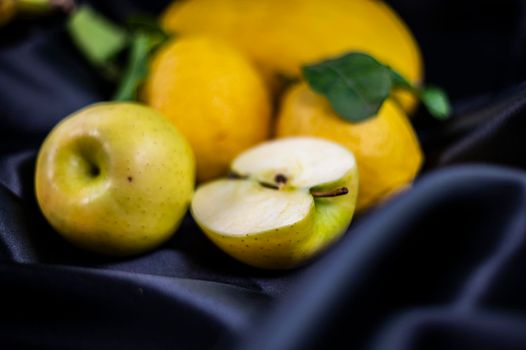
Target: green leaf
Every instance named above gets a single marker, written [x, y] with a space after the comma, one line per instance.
[98, 39]
[143, 43]
[436, 102]
[434, 99]
[137, 68]
[355, 84]
[399, 82]
[101, 41]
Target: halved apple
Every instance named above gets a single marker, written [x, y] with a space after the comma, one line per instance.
[285, 201]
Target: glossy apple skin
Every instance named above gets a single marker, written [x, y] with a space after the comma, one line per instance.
[115, 178]
[291, 246]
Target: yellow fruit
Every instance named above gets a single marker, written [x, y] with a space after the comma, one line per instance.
[385, 146]
[280, 36]
[7, 11]
[11, 8]
[214, 96]
[115, 178]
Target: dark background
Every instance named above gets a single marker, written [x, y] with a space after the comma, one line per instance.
[439, 267]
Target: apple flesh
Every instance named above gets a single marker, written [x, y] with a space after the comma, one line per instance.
[286, 201]
[115, 178]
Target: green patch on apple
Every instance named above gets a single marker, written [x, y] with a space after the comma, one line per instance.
[285, 202]
[115, 178]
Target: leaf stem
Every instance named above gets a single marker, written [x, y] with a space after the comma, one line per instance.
[136, 69]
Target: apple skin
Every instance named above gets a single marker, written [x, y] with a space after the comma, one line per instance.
[115, 178]
[291, 246]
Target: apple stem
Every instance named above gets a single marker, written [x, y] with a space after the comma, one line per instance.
[334, 193]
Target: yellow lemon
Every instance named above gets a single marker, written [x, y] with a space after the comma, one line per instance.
[214, 96]
[385, 146]
[280, 36]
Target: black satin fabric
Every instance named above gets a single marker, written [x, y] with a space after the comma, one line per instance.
[440, 266]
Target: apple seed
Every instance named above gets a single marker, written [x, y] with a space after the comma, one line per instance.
[280, 179]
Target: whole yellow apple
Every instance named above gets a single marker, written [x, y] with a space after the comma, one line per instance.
[115, 178]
